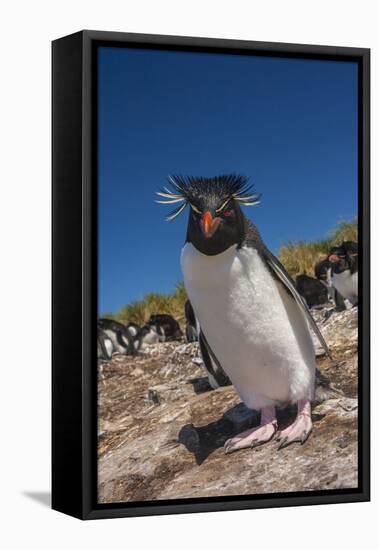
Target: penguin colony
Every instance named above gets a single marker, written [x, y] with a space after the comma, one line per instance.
[114, 337]
[252, 323]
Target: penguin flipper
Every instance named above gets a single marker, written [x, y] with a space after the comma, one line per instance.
[215, 371]
[280, 272]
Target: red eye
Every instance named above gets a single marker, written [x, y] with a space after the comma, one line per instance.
[228, 213]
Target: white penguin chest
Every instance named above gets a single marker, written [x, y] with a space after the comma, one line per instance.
[347, 285]
[248, 319]
[233, 292]
[229, 288]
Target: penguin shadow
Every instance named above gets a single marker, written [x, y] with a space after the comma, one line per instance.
[285, 416]
[204, 440]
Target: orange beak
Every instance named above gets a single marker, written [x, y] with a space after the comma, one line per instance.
[333, 258]
[209, 225]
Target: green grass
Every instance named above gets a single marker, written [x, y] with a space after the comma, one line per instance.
[300, 257]
[297, 257]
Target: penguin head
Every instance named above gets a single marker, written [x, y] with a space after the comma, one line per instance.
[215, 224]
[344, 256]
[321, 269]
[216, 220]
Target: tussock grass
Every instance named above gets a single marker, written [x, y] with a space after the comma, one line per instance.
[140, 311]
[300, 257]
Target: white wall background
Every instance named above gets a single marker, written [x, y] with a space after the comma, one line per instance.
[26, 31]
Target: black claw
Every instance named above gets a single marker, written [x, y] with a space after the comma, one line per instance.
[229, 448]
[287, 443]
[283, 443]
[305, 436]
[301, 440]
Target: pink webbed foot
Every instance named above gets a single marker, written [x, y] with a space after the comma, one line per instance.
[255, 436]
[300, 430]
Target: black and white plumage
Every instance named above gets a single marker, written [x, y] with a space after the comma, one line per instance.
[191, 323]
[216, 374]
[323, 272]
[166, 325]
[312, 290]
[159, 328]
[122, 340]
[264, 346]
[148, 335]
[254, 321]
[133, 328]
[104, 346]
[344, 265]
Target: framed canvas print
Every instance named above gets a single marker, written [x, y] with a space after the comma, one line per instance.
[210, 274]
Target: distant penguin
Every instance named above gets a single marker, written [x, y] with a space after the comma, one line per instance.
[313, 291]
[344, 261]
[133, 328]
[121, 338]
[253, 319]
[104, 345]
[166, 325]
[323, 272]
[147, 336]
[191, 329]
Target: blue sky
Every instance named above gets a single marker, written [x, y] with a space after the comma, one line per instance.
[288, 124]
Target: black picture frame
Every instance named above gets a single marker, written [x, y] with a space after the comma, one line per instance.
[74, 420]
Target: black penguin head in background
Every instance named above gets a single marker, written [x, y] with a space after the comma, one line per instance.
[344, 256]
[215, 221]
[321, 269]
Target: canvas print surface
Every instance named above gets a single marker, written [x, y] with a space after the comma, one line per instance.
[227, 275]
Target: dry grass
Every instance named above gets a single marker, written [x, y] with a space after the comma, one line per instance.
[300, 257]
[140, 311]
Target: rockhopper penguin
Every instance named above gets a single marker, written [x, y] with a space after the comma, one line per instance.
[254, 321]
[344, 261]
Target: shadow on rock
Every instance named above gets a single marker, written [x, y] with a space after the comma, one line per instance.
[200, 385]
[204, 440]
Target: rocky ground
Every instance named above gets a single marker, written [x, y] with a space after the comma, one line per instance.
[162, 428]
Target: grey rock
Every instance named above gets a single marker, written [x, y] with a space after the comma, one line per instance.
[340, 330]
[162, 429]
[344, 407]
